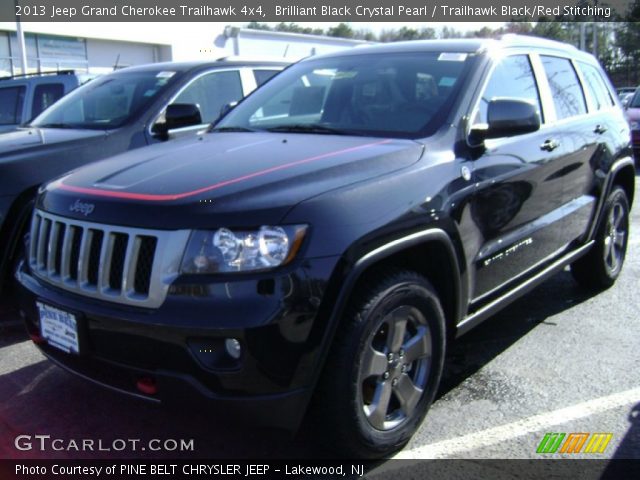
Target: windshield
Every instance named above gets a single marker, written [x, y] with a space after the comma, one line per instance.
[106, 102]
[635, 100]
[395, 95]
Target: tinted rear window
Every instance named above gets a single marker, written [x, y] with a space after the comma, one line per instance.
[46, 95]
[262, 76]
[11, 100]
[596, 86]
[568, 97]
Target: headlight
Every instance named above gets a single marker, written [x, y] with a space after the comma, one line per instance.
[224, 250]
[634, 125]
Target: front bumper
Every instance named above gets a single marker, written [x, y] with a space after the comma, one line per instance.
[180, 346]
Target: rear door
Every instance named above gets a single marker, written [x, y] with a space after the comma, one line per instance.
[517, 208]
[598, 130]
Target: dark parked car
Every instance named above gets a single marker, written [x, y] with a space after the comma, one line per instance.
[121, 111]
[624, 90]
[633, 116]
[321, 246]
[23, 97]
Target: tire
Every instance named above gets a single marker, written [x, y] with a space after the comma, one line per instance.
[600, 268]
[381, 377]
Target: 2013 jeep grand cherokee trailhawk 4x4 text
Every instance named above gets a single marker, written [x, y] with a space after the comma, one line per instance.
[318, 248]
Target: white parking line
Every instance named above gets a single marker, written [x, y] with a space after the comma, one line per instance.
[18, 355]
[536, 423]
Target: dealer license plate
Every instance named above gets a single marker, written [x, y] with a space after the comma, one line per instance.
[58, 328]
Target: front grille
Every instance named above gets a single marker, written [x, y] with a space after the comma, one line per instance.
[119, 264]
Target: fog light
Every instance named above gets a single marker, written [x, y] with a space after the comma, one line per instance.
[233, 347]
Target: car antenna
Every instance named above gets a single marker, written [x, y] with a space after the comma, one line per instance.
[115, 65]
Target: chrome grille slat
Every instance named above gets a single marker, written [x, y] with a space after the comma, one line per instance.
[104, 261]
[42, 243]
[83, 257]
[33, 246]
[51, 248]
[66, 253]
[130, 263]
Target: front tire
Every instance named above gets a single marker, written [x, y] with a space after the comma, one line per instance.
[384, 367]
[600, 268]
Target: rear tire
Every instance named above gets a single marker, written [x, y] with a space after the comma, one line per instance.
[384, 368]
[600, 268]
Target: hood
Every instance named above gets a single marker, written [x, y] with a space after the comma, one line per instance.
[25, 140]
[231, 179]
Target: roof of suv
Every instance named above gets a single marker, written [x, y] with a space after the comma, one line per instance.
[466, 45]
[185, 66]
[45, 77]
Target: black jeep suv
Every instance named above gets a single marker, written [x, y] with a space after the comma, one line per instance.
[334, 232]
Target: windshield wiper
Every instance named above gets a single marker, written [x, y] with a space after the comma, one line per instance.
[310, 128]
[233, 129]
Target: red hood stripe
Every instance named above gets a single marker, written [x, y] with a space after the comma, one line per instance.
[176, 196]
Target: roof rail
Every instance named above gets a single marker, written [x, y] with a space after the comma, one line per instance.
[516, 39]
[39, 74]
[246, 58]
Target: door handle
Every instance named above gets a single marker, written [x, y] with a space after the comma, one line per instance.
[600, 129]
[549, 145]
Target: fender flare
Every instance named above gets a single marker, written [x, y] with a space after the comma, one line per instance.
[372, 257]
[616, 167]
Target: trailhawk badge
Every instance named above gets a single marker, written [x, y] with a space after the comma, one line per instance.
[82, 207]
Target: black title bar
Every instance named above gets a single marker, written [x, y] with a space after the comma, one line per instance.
[313, 10]
[174, 469]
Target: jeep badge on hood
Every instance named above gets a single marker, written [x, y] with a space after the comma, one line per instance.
[82, 207]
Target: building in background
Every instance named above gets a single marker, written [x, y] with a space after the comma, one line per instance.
[244, 41]
[101, 47]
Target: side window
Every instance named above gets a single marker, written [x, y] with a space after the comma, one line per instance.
[596, 86]
[262, 76]
[44, 96]
[512, 78]
[11, 101]
[211, 92]
[567, 94]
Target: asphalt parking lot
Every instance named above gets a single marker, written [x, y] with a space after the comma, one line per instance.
[559, 360]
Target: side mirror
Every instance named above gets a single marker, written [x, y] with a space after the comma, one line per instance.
[180, 115]
[177, 115]
[507, 117]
